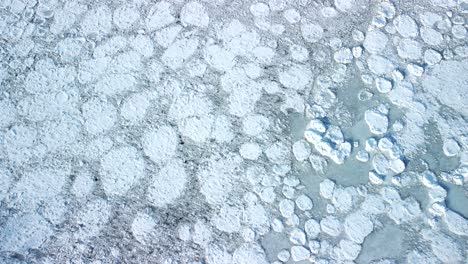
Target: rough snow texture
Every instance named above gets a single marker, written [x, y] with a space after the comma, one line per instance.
[233, 132]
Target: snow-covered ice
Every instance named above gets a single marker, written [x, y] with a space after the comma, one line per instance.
[233, 132]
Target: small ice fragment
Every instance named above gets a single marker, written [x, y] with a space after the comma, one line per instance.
[380, 164]
[286, 208]
[451, 147]
[292, 16]
[344, 56]
[429, 179]
[397, 166]
[377, 122]
[311, 32]
[456, 223]
[304, 203]
[194, 13]
[277, 225]
[432, 57]
[362, 156]
[358, 226]
[250, 151]
[283, 255]
[371, 144]
[375, 41]
[331, 225]
[299, 253]
[376, 178]
[312, 228]
[383, 85]
[406, 26]
[415, 69]
[326, 188]
[297, 237]
[259, 9]
[385, 144]
[301, 150]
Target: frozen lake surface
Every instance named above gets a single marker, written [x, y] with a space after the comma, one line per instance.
[234, 132]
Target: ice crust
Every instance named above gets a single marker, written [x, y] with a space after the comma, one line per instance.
[233, 132]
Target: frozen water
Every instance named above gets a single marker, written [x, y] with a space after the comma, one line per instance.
[244, 132]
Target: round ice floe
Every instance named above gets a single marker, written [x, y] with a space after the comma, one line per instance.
[125, 16]
[227, 219]
[299, 253]
[397, 166]
[292, 16]
[409, 49]
[432, 57]
[142, 226]
[358, 227]
[250, 151]
[255, 124]
[259, 9]
[249, 254]
[343, 55]
[312, 228]
[381, 164]
[99, 116]
[331, 225]
[202, 233]
[215, 254]
[328, 12]
[22, 233]
[97, 21]
[159, 16]
[299, 53]
[345, 5]
[194, 13]
[451, 147]
[278, 153]
[376, 178]
[379, 65]
[297, 237]
[168, 184]
[160, 145]
[134, 108]
[197, 129]
[383, 85]
[431, 36]
[120, 169]
[179, 52]
[406, 26]
[296, 77]
[286, 208]
[347, 250]
[326, 188]
[371, 144]
[386, 9]
[283, 255]
[376, 121]
[8, 113]
[92, 218]
[362, 156]
[301, 150]
[311, 32]
[304, 203]
[375, 41]
[82, 185]
[459, 31]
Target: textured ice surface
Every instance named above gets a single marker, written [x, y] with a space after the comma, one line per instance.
[233, 132]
